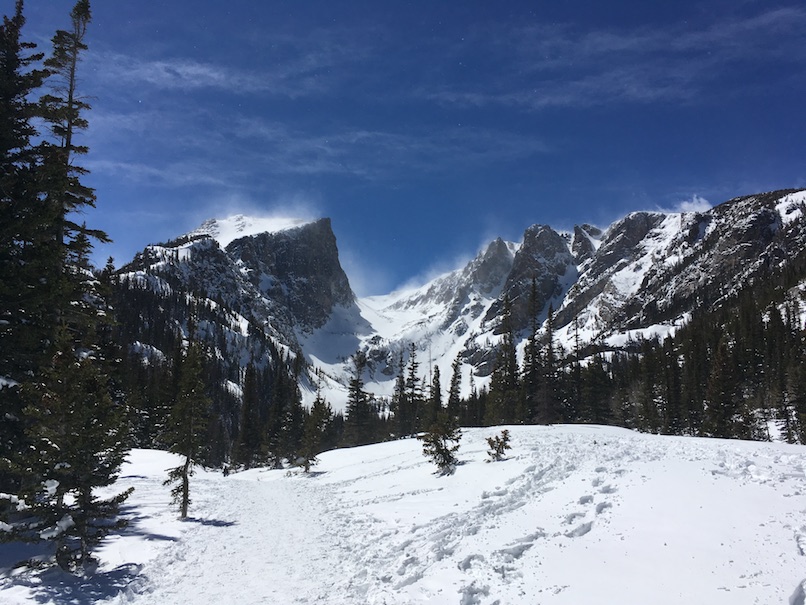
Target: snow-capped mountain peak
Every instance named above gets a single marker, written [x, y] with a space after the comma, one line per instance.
[226, 230]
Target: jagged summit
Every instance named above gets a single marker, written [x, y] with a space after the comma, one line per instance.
[226, 230]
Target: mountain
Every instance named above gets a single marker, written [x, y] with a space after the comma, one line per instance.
[277, 284]
[575, 514]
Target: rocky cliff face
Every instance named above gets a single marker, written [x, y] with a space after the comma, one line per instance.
[298, 270]
[542, 271]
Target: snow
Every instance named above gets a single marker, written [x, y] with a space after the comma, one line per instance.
[225, 230]
[576, 514]
[7, 382]
[790, 207]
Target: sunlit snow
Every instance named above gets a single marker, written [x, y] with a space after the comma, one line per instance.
[576, 514]
[225, 230]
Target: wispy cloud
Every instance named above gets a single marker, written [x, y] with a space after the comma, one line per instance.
[192, 147]
[284, 66]
[550, 66]
[378, 153]
[174, 174]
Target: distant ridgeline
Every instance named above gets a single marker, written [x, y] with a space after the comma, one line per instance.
[679, 323]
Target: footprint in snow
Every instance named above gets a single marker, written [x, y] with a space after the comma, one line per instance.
[800, 540]
[602, 506]
[569, 519]
[580, 530]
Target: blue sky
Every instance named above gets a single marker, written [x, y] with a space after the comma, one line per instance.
[425, 128]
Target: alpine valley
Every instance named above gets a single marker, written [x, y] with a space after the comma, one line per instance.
[262, 294]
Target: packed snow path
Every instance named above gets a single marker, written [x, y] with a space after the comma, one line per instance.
[574, 515]
[250, 539]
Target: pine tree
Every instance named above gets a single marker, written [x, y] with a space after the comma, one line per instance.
[414, 392]
[549, 405]
[27, 326]
[249, 443]
[80, 436]
[73, 420]
[723, 411]
[316, 427]
[499, 444]
[357, 424]
[434, 407]
[187, 425]
[401, 410]
[532, 364]
[504, 397]
[454, 408]
[441, 442]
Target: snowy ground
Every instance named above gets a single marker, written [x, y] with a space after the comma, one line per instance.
[575, 515]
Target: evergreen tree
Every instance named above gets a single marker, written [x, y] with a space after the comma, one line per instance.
[596, 391]
[434, 406]
[249, 444]
[549, 405]
[316, 427]
[187, 427]
[401, 409]
[73, 419]
[499, 444]
[454, 395]
[441, 442]
[532, 365]
[27, 325]
[414, 392]
[504, 395]
[357, 424]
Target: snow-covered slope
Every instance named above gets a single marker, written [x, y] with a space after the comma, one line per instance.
[576, 514]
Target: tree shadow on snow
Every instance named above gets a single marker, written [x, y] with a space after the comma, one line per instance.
[210, 522]
[57, 587]
[134, 525]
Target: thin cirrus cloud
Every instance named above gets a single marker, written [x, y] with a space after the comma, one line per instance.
[376, 153]
[300, 79]
[558, 66]
[282, 65]
[228, 151]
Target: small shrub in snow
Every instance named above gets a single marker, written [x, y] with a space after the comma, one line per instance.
[498, 446]
[440, 444]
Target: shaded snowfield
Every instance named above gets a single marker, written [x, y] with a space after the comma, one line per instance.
[575, 515]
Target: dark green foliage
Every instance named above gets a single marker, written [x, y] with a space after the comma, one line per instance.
[433, 405]
[440, 444]
[317, 423]
[358, 423]
[187, 424]
[27, 325]
[454, 396]
[499, 444]
[79, 435]
[63, 430]
[505, 396]
[248, 447]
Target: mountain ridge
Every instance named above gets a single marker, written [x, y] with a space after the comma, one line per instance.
[643, 274]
